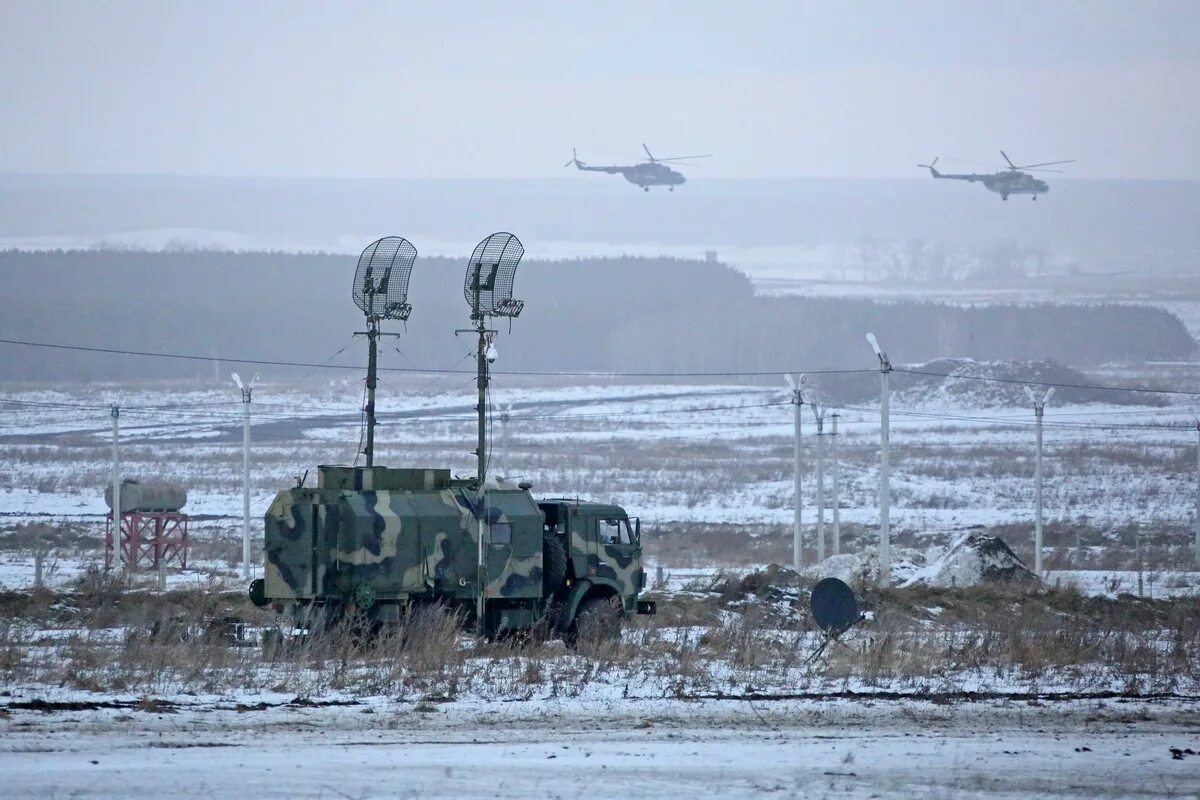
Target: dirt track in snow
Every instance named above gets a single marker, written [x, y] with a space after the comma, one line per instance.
[563, 748]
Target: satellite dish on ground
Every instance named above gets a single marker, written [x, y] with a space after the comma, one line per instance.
[834, 606]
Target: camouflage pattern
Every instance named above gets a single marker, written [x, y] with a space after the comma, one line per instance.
[349, 541]
[604, 563]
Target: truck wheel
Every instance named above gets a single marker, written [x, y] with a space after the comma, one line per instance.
[598, 620]
[554, 563]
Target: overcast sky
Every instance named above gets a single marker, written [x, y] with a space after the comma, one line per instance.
[457, 89]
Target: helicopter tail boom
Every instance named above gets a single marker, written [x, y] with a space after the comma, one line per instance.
[931, 167]
[584, 167]
[574, 160]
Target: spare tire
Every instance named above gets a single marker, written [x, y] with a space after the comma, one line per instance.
[554, 563]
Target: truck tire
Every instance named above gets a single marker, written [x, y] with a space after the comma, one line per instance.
[554, 563]
[598, 620]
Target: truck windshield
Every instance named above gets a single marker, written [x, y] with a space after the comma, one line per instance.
[615, 531]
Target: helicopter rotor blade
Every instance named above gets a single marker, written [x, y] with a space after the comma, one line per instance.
[988, 164]
[648, 153]
[1047, 164]
[1011, 165]
[684, 158]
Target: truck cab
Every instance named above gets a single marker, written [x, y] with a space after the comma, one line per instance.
[603, 554]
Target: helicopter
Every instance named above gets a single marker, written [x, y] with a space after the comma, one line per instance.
[1010, 181]
[654, 172]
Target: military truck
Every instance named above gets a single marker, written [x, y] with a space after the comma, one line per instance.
[377, 540]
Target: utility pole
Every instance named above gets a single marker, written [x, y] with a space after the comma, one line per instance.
[819, 414]
[1137, 547]
[796, 384]
[505, 416]
[885, 486]
[116, 478]
[837, 533]
[247, 389]
[1039, 408]
[246, 484]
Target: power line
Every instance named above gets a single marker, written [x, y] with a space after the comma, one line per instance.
[598, 373]
[186, 415]
[430, 370]
[1057, 385]
[608, 415]
[182, 416]
[1016, 422]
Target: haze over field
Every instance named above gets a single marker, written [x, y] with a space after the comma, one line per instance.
[505, 90]
[445, 123]
[184, 190]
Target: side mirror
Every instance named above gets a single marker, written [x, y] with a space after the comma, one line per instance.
[637, 529]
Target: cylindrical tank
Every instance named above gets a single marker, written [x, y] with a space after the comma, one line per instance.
[148, 496]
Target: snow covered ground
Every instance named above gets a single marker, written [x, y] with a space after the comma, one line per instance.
[715, 454]
[192, 747]
[57, 458]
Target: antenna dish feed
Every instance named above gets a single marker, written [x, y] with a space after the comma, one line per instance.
[381, 280]
[488, 288]
[490, 273]
[381, 292]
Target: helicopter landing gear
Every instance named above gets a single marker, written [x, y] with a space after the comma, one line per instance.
[1035, 198]
[645, 188]
[670, 188]
[1004, 197]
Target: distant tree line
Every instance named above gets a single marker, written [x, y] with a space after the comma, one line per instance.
[613, 314]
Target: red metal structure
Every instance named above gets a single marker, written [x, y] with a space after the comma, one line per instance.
[148, 539]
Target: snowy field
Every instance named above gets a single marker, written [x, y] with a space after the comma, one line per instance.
[952, 697]
[679, 456]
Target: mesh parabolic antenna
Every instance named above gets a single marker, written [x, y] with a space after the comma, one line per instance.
[834, 606]
[381, 280]
[490, 275]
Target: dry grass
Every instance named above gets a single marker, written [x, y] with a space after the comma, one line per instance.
[746, 634]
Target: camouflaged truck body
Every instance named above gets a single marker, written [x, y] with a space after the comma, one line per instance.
[380, 539]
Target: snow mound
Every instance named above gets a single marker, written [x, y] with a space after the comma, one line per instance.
[849, 568]
[862, 569]
[971, 559]
[967, 383]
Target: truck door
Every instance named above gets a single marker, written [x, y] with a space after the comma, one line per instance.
[580, 538]
[617, 551]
